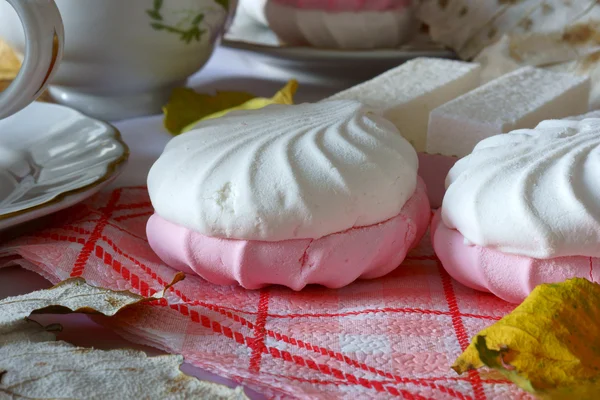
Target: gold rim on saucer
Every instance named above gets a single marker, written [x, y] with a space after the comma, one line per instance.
[111, 169]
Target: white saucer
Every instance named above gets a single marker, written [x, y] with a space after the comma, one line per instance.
[324, 66]
[52, 157]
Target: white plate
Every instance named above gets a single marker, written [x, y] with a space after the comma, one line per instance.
[52, 157]
[325, 66]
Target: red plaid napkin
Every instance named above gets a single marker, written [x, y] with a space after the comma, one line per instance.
[391, 337]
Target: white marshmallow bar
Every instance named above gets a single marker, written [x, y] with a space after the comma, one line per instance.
[408, 93]
[520, 99]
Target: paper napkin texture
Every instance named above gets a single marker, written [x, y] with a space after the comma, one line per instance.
[393, 337]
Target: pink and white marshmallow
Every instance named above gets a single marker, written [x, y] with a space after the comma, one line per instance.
[293, 195]
[524, 209]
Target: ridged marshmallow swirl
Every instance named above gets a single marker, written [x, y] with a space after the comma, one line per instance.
[285, 172]
[532, 192]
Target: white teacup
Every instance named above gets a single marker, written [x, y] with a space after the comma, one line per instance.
[122, 58]
[44, 31]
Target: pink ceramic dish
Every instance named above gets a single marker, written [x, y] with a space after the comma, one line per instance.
[508, 276]
[353, 24]
[334, 260]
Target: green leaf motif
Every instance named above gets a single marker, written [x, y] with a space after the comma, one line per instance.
[154, 15]
[198, 19]
[223, 3]
[186, 35]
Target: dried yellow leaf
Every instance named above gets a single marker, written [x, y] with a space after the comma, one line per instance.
[186, 107]
[549, 345]
[284, 96]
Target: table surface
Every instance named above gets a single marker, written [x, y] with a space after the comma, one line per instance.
[226, 70]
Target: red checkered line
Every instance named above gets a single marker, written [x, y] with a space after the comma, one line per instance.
[257, 342]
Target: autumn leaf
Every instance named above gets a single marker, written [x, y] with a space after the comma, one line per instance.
[549, 345]
[34, 365]
[223, 3]
[186, 107]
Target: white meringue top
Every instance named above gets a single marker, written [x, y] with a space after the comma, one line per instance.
[285, 172]
[532, 192]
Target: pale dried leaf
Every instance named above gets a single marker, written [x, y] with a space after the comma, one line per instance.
[61, 370]
[468, 26]
[34, 365]
[72, 295]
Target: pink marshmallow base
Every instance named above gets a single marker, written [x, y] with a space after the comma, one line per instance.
[334, 261]
[508, 276]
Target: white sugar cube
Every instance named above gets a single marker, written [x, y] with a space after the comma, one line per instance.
[408, 93]
[520, 99]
